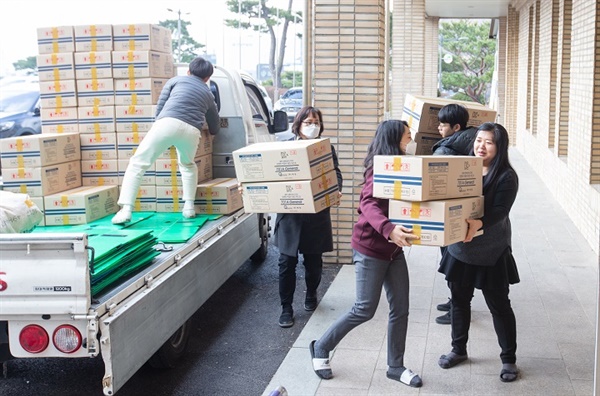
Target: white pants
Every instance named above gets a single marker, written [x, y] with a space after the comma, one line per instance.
[164, 133]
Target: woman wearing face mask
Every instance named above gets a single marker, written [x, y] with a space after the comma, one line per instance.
[309, 234]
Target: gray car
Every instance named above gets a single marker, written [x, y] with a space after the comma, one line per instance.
[290, 102]
[19, 113]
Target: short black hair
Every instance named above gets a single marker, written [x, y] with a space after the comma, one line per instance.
[302, 115]
[453, 114]
[200, 67]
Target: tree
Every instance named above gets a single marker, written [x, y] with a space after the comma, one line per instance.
[288, 80]
[29, 63]
[251, 11]
[472, 66]
[190, 48]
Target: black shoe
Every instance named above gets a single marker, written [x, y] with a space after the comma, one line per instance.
[444, 319]
[286, 319]
[445, 306]
[310, 302]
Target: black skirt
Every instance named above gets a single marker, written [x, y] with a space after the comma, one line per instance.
[500, 275]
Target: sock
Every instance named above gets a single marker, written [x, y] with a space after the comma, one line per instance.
[396, 371]
[511, 367]
[188, 210]
[123, 215]
[320, 353]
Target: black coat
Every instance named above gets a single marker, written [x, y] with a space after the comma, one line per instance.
[460, 143]
[306, 232]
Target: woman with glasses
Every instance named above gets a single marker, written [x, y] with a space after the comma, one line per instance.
[308, 234]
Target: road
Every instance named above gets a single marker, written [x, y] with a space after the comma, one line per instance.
[235, 348]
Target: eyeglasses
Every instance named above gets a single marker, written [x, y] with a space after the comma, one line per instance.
[308, 123]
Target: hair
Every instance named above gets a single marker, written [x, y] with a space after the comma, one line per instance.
[302, 115]
[387, 140]
[453, 114]
[500, 162]
[200, 67]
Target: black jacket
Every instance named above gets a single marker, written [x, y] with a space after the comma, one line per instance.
[460, 143]
[310, 233]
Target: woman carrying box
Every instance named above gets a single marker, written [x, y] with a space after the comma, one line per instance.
[379, 262]
[486, 262]
[309, 234]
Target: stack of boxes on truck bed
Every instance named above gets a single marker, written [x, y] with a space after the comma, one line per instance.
[421, 114]
[432, 195]
[287, 177]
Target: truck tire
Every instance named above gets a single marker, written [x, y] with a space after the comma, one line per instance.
[172, 350]
[263, 229]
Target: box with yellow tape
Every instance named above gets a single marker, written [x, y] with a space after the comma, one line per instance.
[80, 205]
[218, 196]
[437, 223]
[39, 150]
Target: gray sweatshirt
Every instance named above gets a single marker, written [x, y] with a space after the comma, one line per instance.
[188, 98]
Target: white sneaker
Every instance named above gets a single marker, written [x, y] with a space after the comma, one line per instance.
[123, 216]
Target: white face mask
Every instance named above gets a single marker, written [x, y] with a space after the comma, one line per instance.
[311, 131]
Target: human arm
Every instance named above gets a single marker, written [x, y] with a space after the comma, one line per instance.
[338, 172]
[213, 119]
[164, 96]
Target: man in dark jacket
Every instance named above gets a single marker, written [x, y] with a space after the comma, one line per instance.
[457, 140]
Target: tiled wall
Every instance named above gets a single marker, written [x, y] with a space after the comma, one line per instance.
[349, 49]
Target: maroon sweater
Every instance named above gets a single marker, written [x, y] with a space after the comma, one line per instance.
[373, 228]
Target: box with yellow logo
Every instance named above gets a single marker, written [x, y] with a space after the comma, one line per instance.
[139, 64]
[437, 223]
[218, 196]
[93, 65]
[101, 145]
[294, 196]
[55, 39]
[41, 181]
[96, 92]
[134, 118]
[39, 150]
[127, 143]
[59, 120]
[94, 119]
[141, 36]
[80, 205]
[56, 67]
[99, 172]
[59, 93]
[138, 91]
[93, 38]
[427, 178]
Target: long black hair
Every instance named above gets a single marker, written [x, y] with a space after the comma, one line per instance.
[386, 141]
[500, 164]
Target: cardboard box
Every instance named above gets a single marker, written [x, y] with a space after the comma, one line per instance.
[94, 119]
[52, 40]
[422, 143]
[81, 205]
[39, 150]
[288, 160]
[427, 178]
[438, 223]
[134, 118]
[127, 143]
[138, 91]
[167, 171]
[147, 179]
[293, 196]
[145, 200]
[99, 172]
[56, 67]
[59, 120]
[139, 64]
[93, 38]
[93, 65]
[98, 146]
[58, 94]
[45, 180]
[205, 147]
[142, 36]
[96, 92]
[218, 196]
[421, 112]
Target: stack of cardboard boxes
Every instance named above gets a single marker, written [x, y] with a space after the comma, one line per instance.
[432, 195]
[421, 114]
[287, 177]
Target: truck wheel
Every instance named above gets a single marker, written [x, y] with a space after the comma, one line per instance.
[173, 349]
[263, 230]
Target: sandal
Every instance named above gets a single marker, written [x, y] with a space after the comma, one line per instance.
[407, 378]
[321, 366]
[507, 375]
[451, 360]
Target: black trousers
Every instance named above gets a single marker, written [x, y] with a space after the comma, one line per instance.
[313, 268]
[502, 314]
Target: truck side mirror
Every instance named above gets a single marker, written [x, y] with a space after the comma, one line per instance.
[280, 121]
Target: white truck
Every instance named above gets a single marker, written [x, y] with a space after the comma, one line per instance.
[46, 306]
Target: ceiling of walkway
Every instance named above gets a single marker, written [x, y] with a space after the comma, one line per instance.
[466, 8]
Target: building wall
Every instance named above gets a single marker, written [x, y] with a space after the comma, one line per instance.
[555, 44]
[349, 87]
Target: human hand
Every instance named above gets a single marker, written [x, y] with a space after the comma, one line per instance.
[473, 226]
[403, 236]
[339, 201]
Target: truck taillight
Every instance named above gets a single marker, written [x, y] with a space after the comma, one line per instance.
[66, 338]
[34, 339]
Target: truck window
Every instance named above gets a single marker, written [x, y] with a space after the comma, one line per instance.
[215, 91]
[257, 105]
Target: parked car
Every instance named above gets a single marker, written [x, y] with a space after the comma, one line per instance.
[19, 112]
[290, 102]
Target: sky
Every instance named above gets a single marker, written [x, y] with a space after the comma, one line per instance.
[18, 30]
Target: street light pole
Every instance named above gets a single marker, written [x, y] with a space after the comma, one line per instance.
[178, 33]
